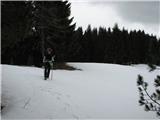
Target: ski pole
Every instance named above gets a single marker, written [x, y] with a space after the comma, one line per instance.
[52, 72]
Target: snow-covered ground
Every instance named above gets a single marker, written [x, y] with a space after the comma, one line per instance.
[98, 91]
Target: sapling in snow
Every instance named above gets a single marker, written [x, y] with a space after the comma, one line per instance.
[150, 102]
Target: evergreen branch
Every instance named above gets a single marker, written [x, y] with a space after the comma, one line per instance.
[150, 96]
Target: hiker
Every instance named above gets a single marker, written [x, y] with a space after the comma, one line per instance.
[48, 61]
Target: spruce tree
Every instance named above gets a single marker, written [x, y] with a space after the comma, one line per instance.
[54, 27]
[75, 49]
[86, 44]
[15, 26]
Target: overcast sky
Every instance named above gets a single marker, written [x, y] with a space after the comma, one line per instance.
[144, 15]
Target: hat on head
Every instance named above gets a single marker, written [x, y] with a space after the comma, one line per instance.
[49, 49]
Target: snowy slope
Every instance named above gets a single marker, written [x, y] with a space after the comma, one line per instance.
[98, 91]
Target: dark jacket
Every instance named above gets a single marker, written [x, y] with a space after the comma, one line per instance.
[48, 57]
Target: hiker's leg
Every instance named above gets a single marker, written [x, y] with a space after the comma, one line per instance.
[45, 71]
[48, 70]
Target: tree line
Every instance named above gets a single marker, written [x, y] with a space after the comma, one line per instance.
[113, 45]
[29, 27]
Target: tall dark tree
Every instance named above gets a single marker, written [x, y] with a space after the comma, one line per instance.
[75, 49]
[15, 26]
[86, 44]
[53, 25]
[100, 44]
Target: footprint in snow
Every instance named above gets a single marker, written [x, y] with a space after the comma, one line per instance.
[68, 96]
[75, 116]
[67, 104]
[58, 98]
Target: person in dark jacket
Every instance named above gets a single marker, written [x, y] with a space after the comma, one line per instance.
[48, 62]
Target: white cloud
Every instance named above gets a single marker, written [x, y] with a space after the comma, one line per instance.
[105, 14]
[85, 14]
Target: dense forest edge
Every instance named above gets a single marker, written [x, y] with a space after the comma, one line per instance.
[29, 27]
